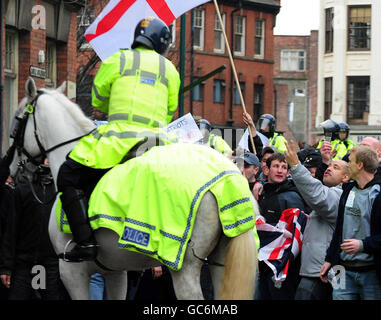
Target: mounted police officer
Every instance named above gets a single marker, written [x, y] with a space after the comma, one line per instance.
[266, 125]
[138, 89]
[212, 140]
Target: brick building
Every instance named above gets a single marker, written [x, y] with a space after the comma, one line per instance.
[249, 28]
[250, 24]
[38, 39]
[295, 84]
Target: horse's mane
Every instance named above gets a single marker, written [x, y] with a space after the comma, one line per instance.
[72, 108]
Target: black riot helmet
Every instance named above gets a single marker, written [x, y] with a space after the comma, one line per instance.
[204, 124]
[330, 128]
[152, 33]
[344, 127]
[264, 121]
[205, 128]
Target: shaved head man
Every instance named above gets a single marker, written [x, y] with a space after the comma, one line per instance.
[336, 173]
[374, 144]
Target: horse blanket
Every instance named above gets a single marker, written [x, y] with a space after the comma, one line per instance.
[151, 201]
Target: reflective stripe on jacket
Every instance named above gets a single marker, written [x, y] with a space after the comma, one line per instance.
[138, 89]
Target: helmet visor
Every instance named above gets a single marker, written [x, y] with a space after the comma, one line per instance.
[204, 126]
[263, 124]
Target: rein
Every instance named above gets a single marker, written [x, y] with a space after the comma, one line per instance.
[30, 110]
[37, 160]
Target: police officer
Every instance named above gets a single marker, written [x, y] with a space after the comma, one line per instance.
[266, 125]
[331, 133]
[344, 144]
[138, 89]
[212, 140]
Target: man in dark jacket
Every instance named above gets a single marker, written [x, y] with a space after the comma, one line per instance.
[279, 194]
[29, 261]
[356, 241]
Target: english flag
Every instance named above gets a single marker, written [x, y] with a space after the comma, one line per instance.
[114, 27]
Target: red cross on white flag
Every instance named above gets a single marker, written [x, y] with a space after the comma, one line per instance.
[114, 27]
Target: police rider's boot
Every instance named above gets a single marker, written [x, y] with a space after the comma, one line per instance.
[75, 205]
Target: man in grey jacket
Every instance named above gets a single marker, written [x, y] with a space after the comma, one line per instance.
[323, 199]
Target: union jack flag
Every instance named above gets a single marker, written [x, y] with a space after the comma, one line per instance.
[280, 244]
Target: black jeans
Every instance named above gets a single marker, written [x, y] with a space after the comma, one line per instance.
[23, 281]
[313, 289]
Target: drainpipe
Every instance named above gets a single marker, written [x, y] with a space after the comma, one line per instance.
[231, 68]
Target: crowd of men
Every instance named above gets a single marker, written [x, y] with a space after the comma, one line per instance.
[340, 252]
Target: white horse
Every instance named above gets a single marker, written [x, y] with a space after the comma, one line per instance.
[57, 120]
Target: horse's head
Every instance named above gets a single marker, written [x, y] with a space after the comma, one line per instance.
[30, 126]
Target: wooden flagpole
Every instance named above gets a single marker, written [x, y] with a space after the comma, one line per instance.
[234, 69]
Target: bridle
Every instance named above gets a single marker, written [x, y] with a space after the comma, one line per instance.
[18, 133]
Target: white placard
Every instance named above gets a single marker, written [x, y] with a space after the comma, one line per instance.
[185, 128]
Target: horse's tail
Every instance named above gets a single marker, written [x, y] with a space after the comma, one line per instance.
[241, 255]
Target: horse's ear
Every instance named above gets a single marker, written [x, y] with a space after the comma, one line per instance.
[30, 89]
[62, 87]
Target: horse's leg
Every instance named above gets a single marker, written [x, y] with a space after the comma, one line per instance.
[76, 278]
[206, 231]
[218, 257]
[116, 285]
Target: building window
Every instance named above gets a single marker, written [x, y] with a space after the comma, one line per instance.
[236, 97]
[10, 91]
[172, 29]
[239, 36]
[328, 30]
[198, 91]
[198, 28]
[219, 43]
[51, 64]
[293, 60]
[358, 99]
[327, 97]
[259, 45]
[258, 101]
[359, 28]
[219, 91]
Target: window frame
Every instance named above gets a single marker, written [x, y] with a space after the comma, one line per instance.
[51, 75]
[349, 48]
[172, 29]
[221, 36]
[222, 91]
[200, 90]
[328, 98]
[11, 75]
[201, 27]
[282, 69]
[238, 102]
[262, 38]
[259, 91]
[358, 100]
[329, 30]
[242, 34]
